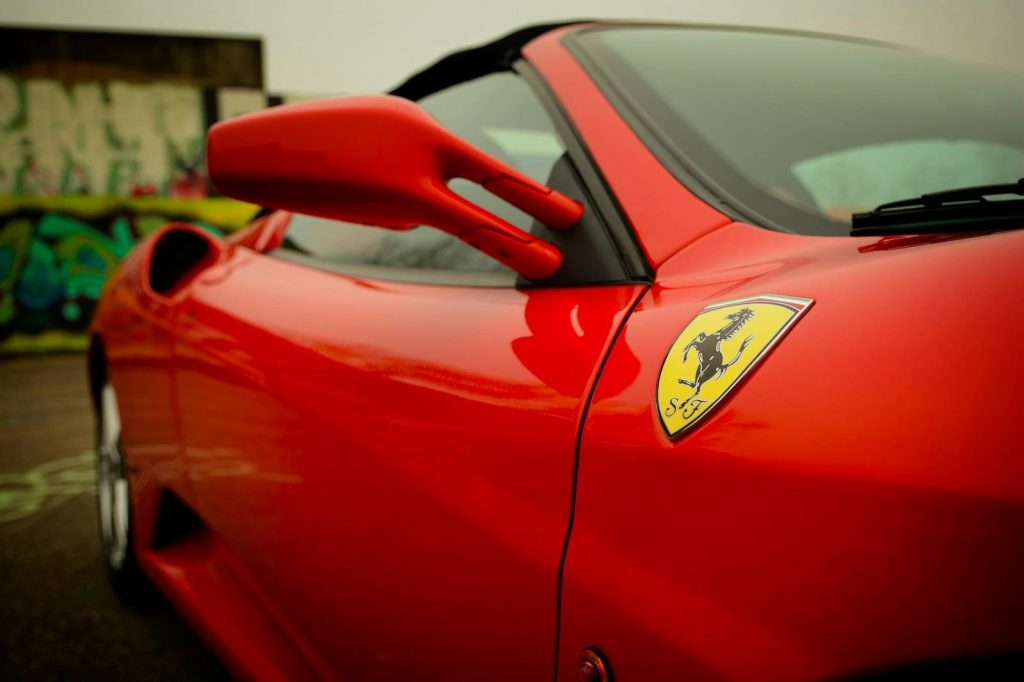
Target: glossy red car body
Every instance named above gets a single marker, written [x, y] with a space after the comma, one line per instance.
[435, 482]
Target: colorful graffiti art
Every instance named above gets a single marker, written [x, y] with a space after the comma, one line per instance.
[57, 252]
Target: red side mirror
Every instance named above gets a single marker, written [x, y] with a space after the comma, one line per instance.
[382, 160]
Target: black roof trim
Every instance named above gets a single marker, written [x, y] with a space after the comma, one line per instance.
[472, 62]
[465, 65]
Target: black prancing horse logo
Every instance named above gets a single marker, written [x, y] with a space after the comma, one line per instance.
[710, 361]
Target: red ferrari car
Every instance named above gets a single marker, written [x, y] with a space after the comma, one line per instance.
[622, 392]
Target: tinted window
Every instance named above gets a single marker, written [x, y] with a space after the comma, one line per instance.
[497, 113]
[805, 130]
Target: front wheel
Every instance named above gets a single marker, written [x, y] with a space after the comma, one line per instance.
[113, 497]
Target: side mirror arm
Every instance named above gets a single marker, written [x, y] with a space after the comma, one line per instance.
[383, 160]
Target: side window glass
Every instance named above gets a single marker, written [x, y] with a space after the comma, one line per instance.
[387, 254]
[499, 114]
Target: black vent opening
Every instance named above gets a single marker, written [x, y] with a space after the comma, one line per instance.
[177, 258]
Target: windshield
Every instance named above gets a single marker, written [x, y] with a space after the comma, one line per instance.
[797, 132]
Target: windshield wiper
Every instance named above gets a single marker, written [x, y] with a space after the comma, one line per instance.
[964, 209]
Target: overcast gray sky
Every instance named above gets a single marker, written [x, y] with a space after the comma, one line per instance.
[369, 45]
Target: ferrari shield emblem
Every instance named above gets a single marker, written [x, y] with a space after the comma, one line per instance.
[716, 350]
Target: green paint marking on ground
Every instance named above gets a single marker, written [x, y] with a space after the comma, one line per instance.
[46, 342]
[28, 492]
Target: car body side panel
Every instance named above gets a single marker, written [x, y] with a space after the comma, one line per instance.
[392, 463]
[664, 214]
[136, 328]
[855, 504]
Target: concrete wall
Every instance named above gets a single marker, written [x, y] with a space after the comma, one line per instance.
[111, 139]
[116, 114]
[92, 138]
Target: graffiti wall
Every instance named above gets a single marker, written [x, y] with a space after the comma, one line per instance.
[57, 252]
[117, 139]
[115, 114]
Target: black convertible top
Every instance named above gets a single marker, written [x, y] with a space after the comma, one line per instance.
[473, 62]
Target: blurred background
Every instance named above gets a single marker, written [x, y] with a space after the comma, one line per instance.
[104, 107]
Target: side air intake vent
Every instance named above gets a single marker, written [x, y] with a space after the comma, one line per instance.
[179, 255]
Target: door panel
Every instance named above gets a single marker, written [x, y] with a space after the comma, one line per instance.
[137, 340]
[393, 463]
[845, 510]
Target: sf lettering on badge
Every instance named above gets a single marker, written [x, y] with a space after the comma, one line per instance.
[716, 350]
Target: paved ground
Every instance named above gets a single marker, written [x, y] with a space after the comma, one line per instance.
[59, 619]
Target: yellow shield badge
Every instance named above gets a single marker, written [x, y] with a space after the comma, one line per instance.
[716, 350]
